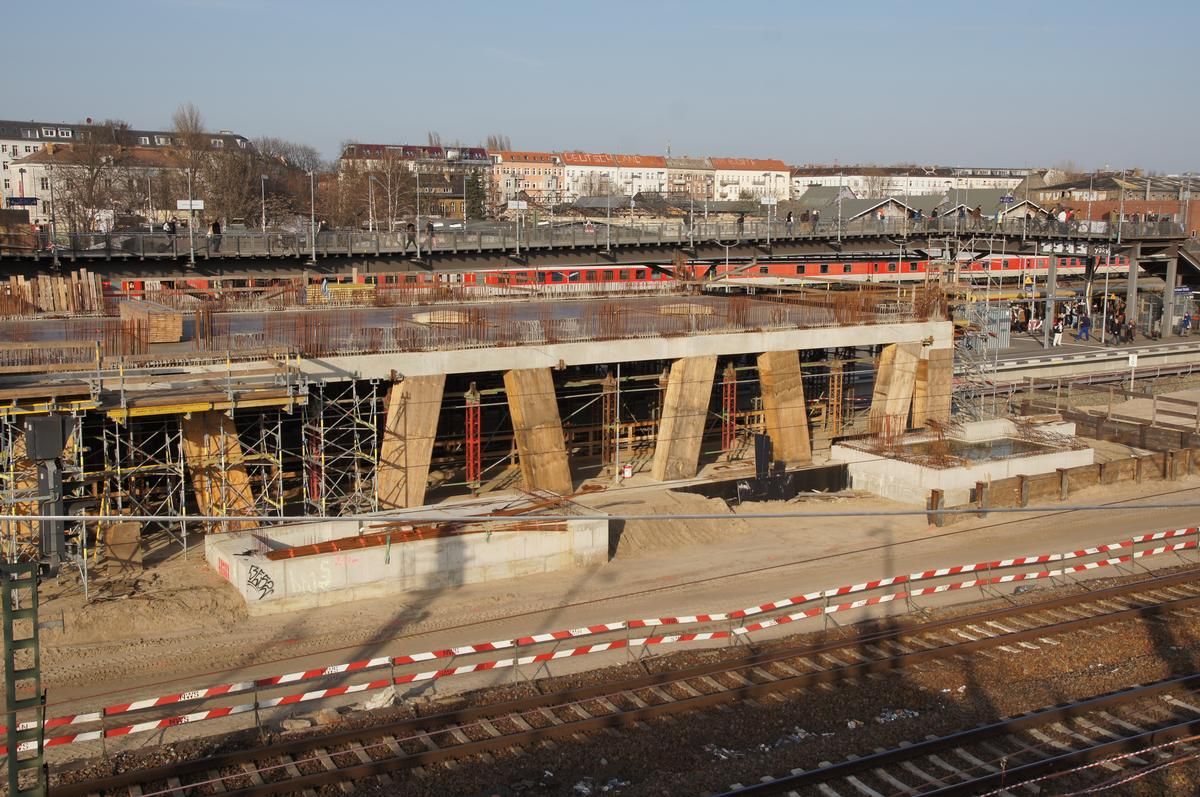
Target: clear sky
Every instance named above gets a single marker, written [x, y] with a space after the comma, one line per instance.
[1091, 82]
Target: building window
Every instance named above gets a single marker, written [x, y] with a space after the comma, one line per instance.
[27, 134]
[242, 143]
[144, 140]
[28, 148]
[217, 143]
[48, 132]
[7, 184]
[162, 141]
[64, 132]
[45, 183]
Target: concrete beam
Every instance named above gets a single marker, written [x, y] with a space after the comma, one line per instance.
[217, 465]
[1131, 285]
[784, 408]
[537, 429]
[685, 409]
[410, 427]
[1172, 280]
[544, 355]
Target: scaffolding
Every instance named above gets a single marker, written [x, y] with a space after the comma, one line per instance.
[341, 447]
[833, 416]
[18, 485]
[728, 408]
[262, 436]
[141, 469]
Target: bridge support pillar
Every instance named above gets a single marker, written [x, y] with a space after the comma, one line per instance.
[1131, 289]
[410, 427]
[894, 383]
[537, 429]
[217, 464]
[784, 408]
[685, 409]
[1168, 310]
[1051, 300]
[933, 387]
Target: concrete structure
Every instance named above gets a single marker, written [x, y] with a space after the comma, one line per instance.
[537, 429]
[420, 565]
[685, 410]
[413, 407]
[888, 469]
[784, 408]
[735, 178]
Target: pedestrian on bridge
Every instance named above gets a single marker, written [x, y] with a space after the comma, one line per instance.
[741, 225]
[816, 219]
[790, 221]
[410, 236]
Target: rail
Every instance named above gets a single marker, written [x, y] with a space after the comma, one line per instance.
[595, 235]
[452, 735]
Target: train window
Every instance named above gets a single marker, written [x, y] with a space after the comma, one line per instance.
[824, 268]
[541, 276]
[410, 279]
[891, 266]
[640, 274]
[799, 269]
[847, 268]
[875, 267]
[556, 276]
[912, 266]
[575, 276]
[608, 275]
[764, 270]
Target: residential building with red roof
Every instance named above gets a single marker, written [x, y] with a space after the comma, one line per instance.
[755, 178]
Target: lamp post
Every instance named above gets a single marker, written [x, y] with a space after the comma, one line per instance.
[608, 223]
[839, 225]
[191, 223]
[53, 218]
[21, 181]
[370, 203]
[263, 186]
[312, 213]
[387, 190]
[417, 171]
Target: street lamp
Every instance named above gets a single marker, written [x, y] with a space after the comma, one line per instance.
[191, 223]
[417, 170]
[312, 217]
[370, 203]
[53, 218]
[263, 186]
[21, 181]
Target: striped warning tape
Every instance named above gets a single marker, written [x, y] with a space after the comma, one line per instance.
[555, 636]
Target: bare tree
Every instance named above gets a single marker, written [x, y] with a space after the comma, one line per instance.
[498, 142]
[289, 154]
[876, 186]
[433, 138]
[191, 146]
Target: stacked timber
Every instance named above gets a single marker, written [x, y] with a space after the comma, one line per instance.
[78, 293]
[162, 323]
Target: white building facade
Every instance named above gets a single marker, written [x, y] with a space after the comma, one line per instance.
[734, 178]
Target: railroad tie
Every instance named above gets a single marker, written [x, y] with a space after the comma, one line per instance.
[327, 762]
[862, 787]
[1089, 741]
[365, 758]
[216, 781]
[252, 773]
[922, 774]
[974, 761]
[895, 783]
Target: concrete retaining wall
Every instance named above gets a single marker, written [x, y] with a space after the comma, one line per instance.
[325, 579]
[910, 483]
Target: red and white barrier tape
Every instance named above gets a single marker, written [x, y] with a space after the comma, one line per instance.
[554, 636]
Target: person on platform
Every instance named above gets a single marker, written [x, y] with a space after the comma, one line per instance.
[1057, 329]
[1085, 329]
[1185, 323]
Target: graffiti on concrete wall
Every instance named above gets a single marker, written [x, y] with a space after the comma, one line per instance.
[260, 580]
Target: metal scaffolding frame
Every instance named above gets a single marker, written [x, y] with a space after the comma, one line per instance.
[341, 447]
[142, 469]
[262, 436]
[18, 484]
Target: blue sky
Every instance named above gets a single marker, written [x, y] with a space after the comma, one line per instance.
[965, 82]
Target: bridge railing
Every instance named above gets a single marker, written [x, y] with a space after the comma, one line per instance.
[562, 235]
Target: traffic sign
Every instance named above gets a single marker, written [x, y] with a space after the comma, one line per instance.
[22, 201]
[189, 204]
[768, 200]
[518, 204]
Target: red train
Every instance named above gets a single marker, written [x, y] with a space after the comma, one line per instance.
[817, 270]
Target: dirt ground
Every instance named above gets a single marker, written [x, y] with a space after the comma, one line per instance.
[180, 624]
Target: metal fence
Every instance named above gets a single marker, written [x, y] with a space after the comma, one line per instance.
[592, 235]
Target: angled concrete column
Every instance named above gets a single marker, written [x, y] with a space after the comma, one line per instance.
[1131, 285]
[1168, 317]
[685, 409]
[409, 431]
[920, 401]
[784, 409]
[893, 393]
[537, 429]
[939, 386]
[214, 459]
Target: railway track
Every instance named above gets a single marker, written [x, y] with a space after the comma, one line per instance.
[1098, 738]
[300, 764]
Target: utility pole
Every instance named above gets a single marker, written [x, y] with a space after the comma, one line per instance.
[312, 212]
[191, 223]
[53, 220]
